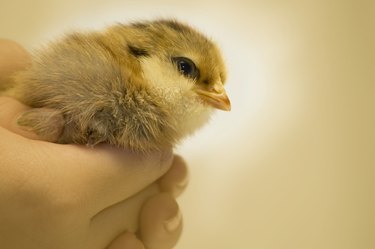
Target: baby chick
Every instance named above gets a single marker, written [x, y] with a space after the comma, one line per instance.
[142, 86]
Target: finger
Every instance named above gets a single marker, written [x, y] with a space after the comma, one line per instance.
[100, 177]
[10, 110]
[123, 216]
[13, 57]
[176, 179]
[126, 241]
[160, 222]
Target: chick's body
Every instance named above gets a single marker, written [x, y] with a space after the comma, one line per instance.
[142, 86]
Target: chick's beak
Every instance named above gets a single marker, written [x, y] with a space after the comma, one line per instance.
[215, 96]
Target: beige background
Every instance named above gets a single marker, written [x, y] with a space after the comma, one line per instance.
[292, 166]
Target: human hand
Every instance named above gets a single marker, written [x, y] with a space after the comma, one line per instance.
[69, 196]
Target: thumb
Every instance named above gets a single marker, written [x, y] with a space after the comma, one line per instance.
[10, 110]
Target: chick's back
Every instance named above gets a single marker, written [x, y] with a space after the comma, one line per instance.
[97, 98]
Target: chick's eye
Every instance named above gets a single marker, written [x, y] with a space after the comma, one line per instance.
[186, 67]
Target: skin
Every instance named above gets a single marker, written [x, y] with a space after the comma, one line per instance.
[70, 196]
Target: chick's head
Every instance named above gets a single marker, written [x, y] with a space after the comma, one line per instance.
[181, 66]
[194, 57]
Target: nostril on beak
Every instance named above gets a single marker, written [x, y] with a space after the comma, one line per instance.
[217, 88]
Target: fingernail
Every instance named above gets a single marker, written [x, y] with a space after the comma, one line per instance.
[182, 184]
[172, 224]
[126, 241]
[179, 187]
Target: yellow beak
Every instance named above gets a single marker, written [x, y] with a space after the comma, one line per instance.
[215, 97]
